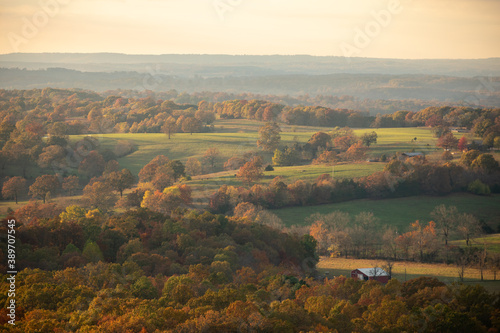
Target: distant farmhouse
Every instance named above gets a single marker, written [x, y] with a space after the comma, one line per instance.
[374, 273]
[459, 130]
[405, 156]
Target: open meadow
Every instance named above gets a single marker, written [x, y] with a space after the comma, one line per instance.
[289, 174]
[235, 137]
[491, 242]
[400, 212]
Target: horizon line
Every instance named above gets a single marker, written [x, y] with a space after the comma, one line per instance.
[235, 55]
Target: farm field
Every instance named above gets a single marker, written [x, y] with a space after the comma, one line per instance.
[235, 137]
[492, 242]
[443, 272]
[290, 174]
[400, 212]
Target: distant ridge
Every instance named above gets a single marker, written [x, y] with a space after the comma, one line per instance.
[231, 65]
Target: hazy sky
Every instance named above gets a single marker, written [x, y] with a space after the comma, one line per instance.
[403, 29]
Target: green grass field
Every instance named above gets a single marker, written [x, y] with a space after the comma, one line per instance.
[401, 212]
[179, 147]
[392, 140]
[291, 174]
[235, 137]
[492, 242]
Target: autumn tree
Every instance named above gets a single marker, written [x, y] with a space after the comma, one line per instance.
[170, 127]
[424, 237]
[211, 156]
[190, 125]
[285, 156]
[52, 155]
[269, 137]
[71, 184]
[462, 144]
[164, 177]
[319, 140]
[234, 163]
[167, 200]
[120, 180]
[496, 142]
[92, 165]
[246, 211]
[18, 153]
[44, 185]
[193, 167]
[99, 195]
[468, 157]
[447, 141]
[322, 234]
[369, 138]
[252, 170]
[486, 163]
[14, 188]
[344, 142]
[205, 116]
[355, 152]
[327, 157]
[148, 172]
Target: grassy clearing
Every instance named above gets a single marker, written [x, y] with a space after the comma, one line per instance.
[180, 147]
[343, 171]
[491, 242]
[392, 140]
[445, 273]
[401, 212]
[234, 137]
[290, 174]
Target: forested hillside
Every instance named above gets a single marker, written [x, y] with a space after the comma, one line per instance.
[434, 89]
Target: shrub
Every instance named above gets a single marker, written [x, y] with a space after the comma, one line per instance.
[479, 188]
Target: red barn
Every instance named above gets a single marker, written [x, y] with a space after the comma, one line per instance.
[375, 273]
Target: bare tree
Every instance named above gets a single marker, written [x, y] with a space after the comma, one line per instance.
[210, 157]
[494, 264]
[468, 227]
[480, 257]
[388, 267]
[446, 219]
[389, 243]
[463, 261]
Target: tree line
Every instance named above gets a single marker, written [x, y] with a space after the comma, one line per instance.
[477, 173]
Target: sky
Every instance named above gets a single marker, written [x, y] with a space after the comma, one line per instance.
[410, 29]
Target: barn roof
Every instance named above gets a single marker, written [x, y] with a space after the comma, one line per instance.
[374, 271]
[412, 154]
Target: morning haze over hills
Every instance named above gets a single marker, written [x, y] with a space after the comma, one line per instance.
[211, 65]
[457, 81]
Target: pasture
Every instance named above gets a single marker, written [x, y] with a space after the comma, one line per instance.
[491, 242]
[236, 136]
[400, 212]
[290, 174]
